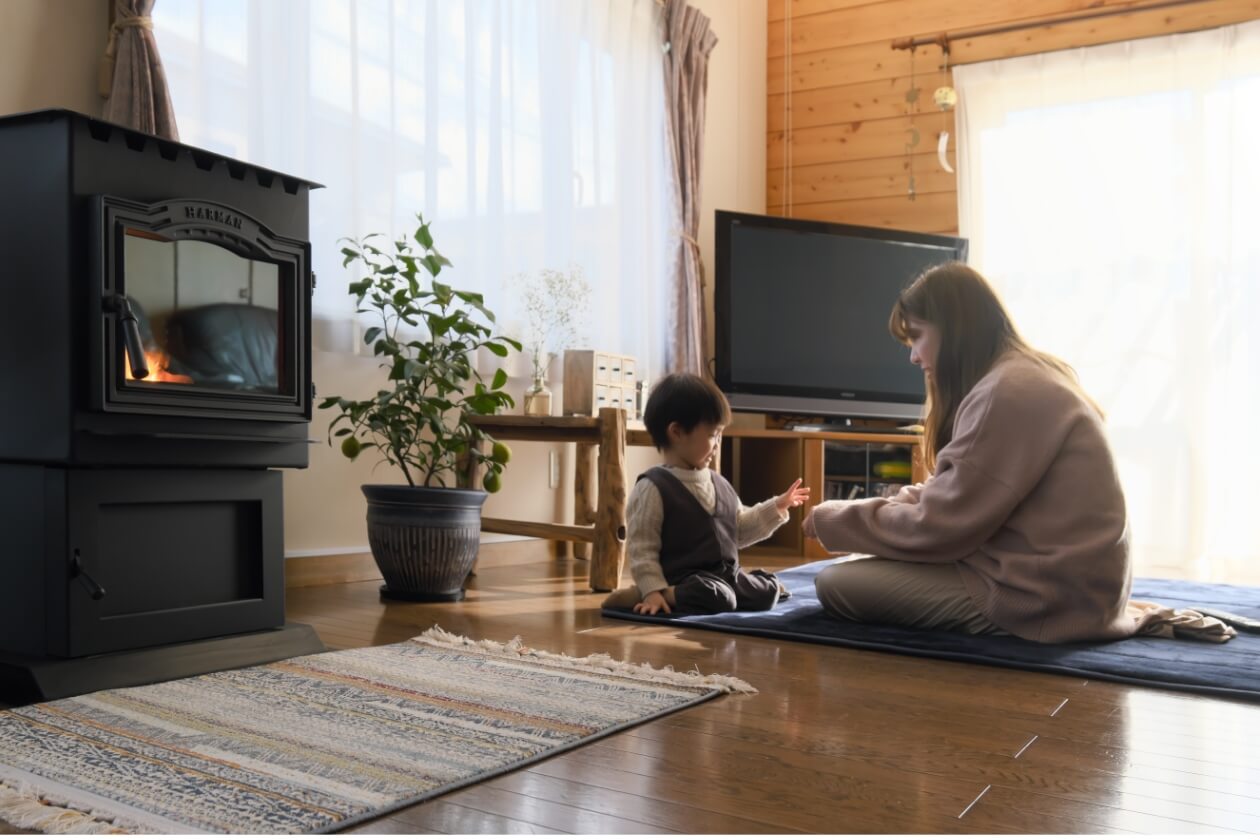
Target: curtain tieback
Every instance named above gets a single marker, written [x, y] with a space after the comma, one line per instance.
[695, 243]
[105, 75]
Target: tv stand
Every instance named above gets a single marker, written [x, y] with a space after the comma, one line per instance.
[853, 427]
[846, 425]
[840, 464]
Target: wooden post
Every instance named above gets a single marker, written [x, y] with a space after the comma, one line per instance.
[610, 516]
[813, 472]
[584, 495]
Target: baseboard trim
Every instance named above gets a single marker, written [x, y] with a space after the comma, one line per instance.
[327, 552]
[317, 567]
[320, 569]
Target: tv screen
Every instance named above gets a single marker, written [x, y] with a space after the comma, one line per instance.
[802, 315]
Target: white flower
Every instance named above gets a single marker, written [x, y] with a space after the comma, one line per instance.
[556, 304]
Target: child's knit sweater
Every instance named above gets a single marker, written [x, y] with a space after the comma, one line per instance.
[645, 515]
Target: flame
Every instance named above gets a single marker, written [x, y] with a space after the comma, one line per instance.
[158, 363]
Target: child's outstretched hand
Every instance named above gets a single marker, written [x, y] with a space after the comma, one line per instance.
[794, 496]
[654, 602]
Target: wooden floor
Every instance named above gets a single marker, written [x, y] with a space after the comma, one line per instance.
[837, 741]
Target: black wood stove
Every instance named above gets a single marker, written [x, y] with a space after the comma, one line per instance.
[154, 369]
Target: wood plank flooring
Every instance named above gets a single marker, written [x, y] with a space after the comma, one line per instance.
[837, 741]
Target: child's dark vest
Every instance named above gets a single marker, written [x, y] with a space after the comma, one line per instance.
[692, 539]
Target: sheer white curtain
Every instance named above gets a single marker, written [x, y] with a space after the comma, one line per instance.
[529, 131]
[1113, 195]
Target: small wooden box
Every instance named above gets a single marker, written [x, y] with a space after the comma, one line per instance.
[594, 380]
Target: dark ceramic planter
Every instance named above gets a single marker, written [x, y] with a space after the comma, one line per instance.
[424, 539]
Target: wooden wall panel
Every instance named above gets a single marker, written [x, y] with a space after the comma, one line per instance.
[928, 213]
[1125, 27]
[889, 19]
[856, 140]
[837, 118]
[850, 179]
[860, 63]
[780, 9]
[879, 99]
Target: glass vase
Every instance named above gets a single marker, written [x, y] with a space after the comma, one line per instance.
[538, 399]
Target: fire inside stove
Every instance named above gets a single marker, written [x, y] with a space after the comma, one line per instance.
[158, 364]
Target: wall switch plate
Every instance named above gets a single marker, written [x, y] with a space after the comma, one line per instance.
[553, 472]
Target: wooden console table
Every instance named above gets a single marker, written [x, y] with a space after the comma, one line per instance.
[600, 490]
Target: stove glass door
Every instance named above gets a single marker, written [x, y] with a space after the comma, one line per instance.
[208, 317]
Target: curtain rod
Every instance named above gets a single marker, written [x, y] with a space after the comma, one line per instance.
[943, 39]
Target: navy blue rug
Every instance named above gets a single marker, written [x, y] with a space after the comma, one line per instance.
[1231, 669]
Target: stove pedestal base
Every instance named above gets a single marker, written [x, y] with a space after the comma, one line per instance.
[26, 679]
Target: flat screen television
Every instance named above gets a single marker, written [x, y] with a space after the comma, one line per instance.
[802, 315]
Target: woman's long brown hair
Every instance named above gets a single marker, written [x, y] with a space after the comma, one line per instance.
[975, 330]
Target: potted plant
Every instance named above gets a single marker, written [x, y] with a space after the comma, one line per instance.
[424, 534]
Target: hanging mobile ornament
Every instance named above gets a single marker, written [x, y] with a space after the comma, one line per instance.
[945, 98]
[912, 135]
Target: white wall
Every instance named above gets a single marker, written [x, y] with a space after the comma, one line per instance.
[49, 51]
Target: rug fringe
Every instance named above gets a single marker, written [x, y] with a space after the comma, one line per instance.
[596, 663]
[23, 807]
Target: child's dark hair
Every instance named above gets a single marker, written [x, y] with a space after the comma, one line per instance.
[685, 399]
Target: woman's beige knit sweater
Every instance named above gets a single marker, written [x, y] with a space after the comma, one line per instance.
[1025, 500]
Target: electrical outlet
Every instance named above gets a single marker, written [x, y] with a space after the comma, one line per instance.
[553, 471]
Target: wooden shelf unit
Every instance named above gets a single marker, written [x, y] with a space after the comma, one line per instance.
[761, 463]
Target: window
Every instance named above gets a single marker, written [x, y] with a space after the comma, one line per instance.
[531, 133]
[1109, 193]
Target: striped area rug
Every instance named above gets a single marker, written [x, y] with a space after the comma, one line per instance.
[320, 742]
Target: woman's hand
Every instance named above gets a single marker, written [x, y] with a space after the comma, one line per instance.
[794, 496]
[655, 602]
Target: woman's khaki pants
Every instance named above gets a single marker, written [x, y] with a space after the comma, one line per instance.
[927, 596]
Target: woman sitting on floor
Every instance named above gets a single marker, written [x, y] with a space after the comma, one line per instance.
[1021, 528]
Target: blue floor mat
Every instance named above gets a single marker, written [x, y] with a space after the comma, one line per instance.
[1230, 670]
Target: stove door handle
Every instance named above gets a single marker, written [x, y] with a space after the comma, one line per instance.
[77, 572]
[119, 305]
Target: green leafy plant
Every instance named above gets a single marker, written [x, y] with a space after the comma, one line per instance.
[427, 337]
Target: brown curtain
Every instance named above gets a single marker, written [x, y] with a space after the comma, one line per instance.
[132, 78]
[690, 40]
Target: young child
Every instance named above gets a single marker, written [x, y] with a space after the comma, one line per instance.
[685, 524]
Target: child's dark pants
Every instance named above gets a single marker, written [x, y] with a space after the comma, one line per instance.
[714, 592]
